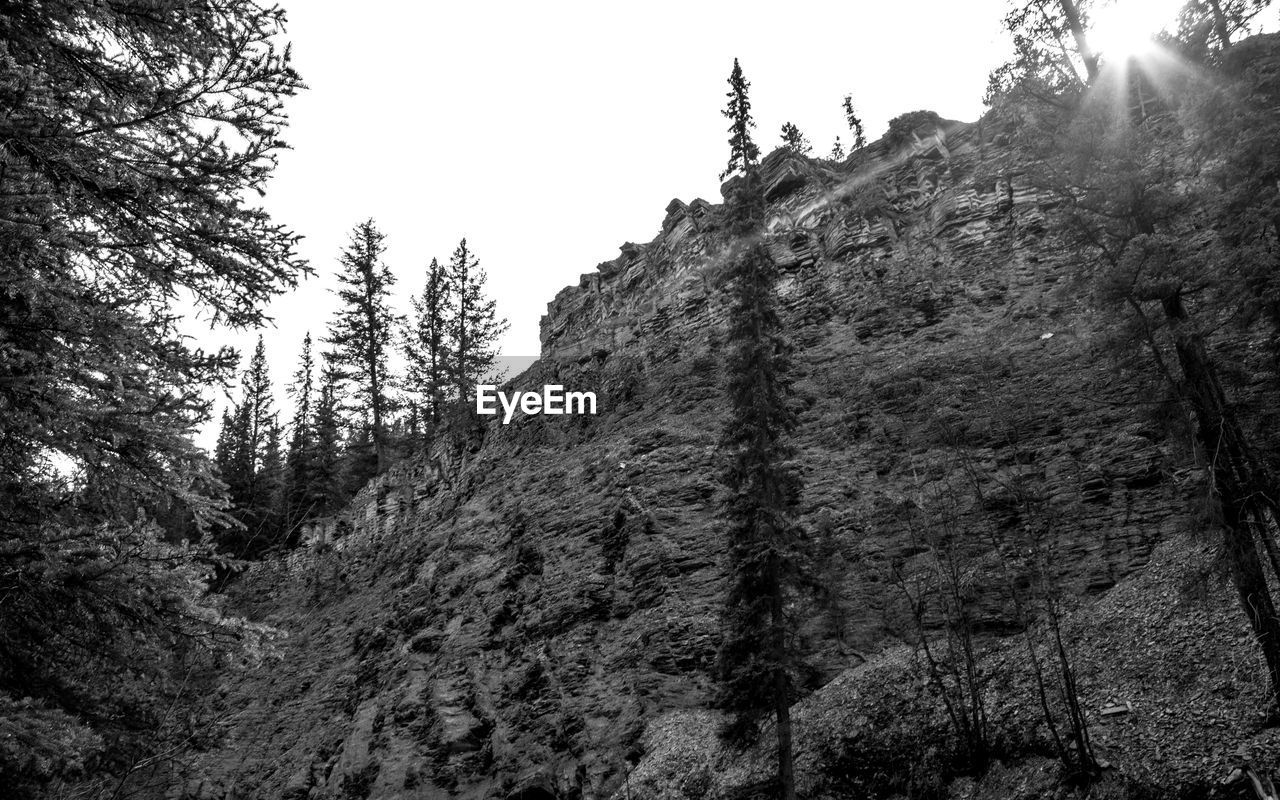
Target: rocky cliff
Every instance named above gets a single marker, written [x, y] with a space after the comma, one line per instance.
[526, 616]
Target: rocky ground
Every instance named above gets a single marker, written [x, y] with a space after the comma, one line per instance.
[1170, 679]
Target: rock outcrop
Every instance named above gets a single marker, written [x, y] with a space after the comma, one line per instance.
[506, 622]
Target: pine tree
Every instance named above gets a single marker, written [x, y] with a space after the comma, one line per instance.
[243, 463]
[300, 457]
[260, 419]
[261, 406]
[837, 151]
[766, 563]
[234, 457]
[357, 466]
[225, 446]
[325, 491]
[229, 454]
[794, 140]
[361, 333]
[855, 123]
[429, 345]
[742, 150]
[476, 325]
[134, 136]
[271, 485]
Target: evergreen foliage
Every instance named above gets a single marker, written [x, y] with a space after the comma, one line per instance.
[361, 336]
[248, 459]
[767, 562]
[794, 140]
[837, 150]
[855, 123]
[1053, 58]
[429, 346]
[475, 323]
[131, 135]
[903, 126]
[326, 492]
[300, 458]
[742, 150]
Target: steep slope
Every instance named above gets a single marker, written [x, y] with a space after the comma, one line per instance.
[1175, 712]
[505, 620]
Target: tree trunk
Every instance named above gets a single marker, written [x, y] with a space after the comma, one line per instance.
[781, 690]
[435, 365]
[786, 764]
[1072, 13]
[375, 386]
[371, 366]
[463, 311]
[1238, 480]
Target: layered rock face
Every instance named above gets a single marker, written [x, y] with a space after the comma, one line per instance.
[504, 620]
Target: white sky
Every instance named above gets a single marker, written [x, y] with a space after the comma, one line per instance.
[550, 133]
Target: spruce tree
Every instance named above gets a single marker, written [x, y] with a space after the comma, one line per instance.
[260, 417]
[742, 150]
[325, 491]
[135, 137]
[837, 151]
[476, 324]
[226, 443]
[766, 561]
[855, 123]
[271, 486]
[357, 466]
[794, 140]
[429, 345]
[300, 457]
[234, 458]
[361, 333]
[252, 482]
[260, 404]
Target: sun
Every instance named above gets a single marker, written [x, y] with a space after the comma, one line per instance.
[1124, 28]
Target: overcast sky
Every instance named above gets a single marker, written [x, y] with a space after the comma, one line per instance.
[550, 133]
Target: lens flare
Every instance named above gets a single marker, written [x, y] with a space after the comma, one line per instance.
[1125, 28]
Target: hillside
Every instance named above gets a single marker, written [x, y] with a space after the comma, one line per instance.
[534, 615]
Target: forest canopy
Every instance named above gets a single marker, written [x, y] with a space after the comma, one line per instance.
[132, 135]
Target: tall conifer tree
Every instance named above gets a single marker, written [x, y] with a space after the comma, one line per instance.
[766, 559]
[742, 150]
[325, 493]
[300, 456]
[476, 324]
[429, 344]
[361, 333]
[133, 136]
[244, 457]
[233, 455]
[855, 123]
[271, 485]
